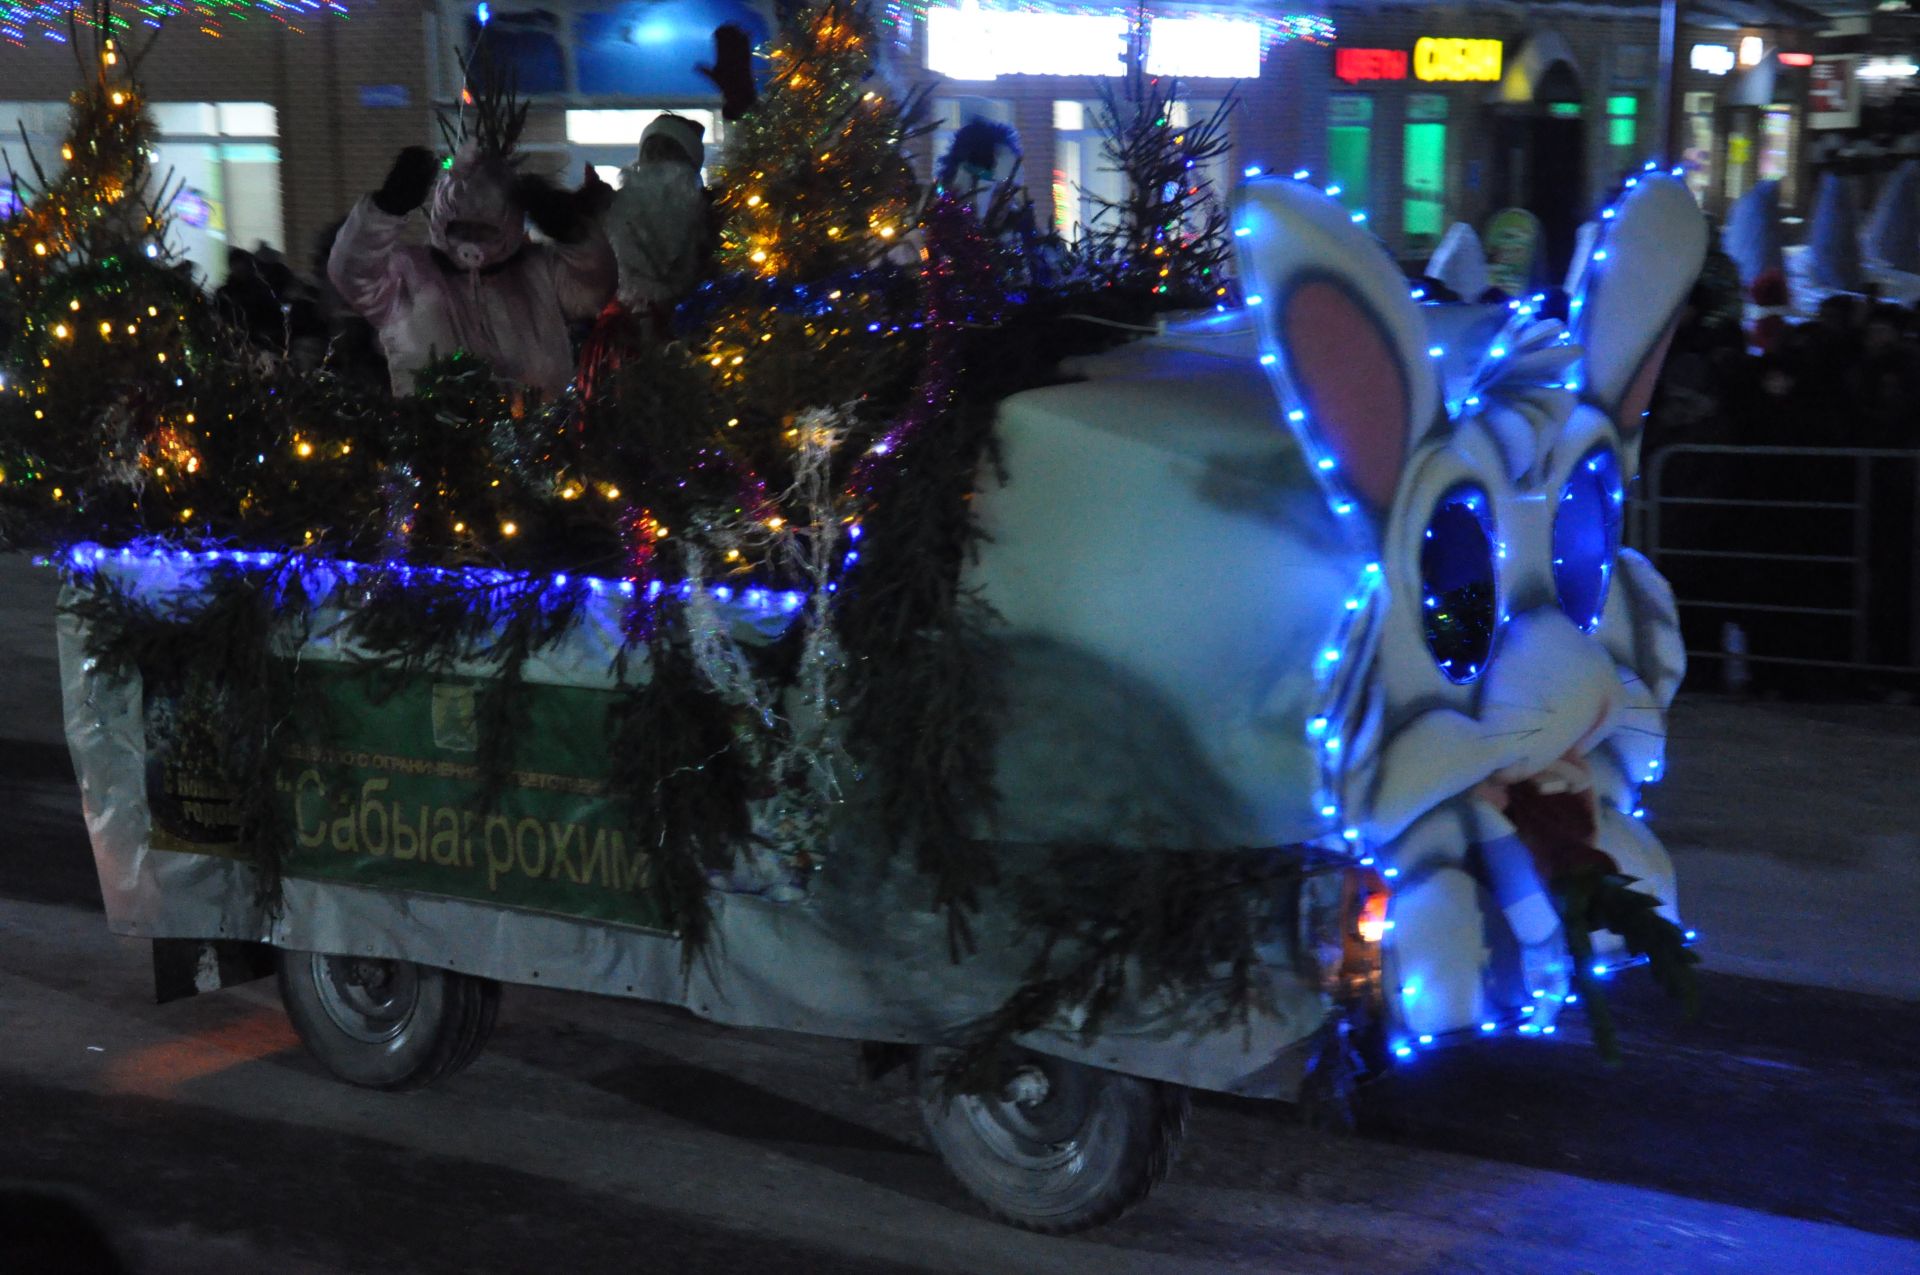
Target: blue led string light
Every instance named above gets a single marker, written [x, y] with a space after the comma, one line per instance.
[339, 572]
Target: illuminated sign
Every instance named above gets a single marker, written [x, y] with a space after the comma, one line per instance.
[1355, 65]
[1895, 68]
[1796, 59]
[1437, 58]
[1833, 93]
[1752, 48]
[1714, 59]
[971, 43]
[1223, 48]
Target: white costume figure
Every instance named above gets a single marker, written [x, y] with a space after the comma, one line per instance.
[1460, 262]
[478, 287]
[660, 222]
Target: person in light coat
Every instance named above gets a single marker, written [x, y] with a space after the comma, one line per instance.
[479, 286]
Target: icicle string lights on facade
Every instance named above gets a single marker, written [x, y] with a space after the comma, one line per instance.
[49, 19]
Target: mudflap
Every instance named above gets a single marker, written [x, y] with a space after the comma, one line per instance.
[187, 967]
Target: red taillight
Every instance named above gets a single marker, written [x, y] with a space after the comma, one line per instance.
[1372, 924]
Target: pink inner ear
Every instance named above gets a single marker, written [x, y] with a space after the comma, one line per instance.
[1639, 395]
[1355, 388]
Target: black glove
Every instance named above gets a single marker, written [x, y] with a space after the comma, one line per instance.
[594, 196]
[408, 181]
[732, 71]
[563, 215]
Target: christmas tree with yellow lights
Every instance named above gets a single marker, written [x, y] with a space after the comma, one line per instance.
[814, 181]
[102, 322]
[818, 206]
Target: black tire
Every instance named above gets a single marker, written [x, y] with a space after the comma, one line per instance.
[386, 1024]
[1064, 1148]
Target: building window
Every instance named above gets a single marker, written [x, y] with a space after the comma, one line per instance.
[1739, 170]
[1623, 132]
[525, 45]
[1777, 150]
[655, 49]
[610, 139]
[1699, 109]
[1349, 123]
[1085, 182]
[1623, 123]
[950, 114]
[1423, 211]
[645, 50]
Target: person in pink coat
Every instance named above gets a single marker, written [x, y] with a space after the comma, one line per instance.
[479, 286]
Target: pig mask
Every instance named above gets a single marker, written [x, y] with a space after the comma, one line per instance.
[474, 217]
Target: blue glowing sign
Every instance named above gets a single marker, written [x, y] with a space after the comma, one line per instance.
[655, 48]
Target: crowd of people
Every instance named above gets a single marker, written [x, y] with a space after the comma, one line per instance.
[1849, 377]
[299, 315]
[1826, 536]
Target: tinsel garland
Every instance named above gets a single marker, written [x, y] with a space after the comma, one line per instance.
[962, 293]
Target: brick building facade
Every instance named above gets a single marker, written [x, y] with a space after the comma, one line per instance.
[1575, 104]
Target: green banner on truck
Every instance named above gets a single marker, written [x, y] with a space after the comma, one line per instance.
[382, 787]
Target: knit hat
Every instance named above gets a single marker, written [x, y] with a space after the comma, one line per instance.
[687, 134]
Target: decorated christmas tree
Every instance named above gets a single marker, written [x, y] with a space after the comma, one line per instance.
[103, 324]
[818, 254]
[814, 182]
[1166, 236]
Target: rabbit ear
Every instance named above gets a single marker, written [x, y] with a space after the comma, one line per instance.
[1340, 336]
[1651, 247]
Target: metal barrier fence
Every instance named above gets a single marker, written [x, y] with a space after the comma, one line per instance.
[1804, 556]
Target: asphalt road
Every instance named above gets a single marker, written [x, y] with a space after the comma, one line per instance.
[1776, 1134]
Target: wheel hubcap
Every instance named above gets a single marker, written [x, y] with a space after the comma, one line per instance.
[370, 1000]
[1039, 1116]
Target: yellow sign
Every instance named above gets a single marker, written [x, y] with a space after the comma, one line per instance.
[1442, 59]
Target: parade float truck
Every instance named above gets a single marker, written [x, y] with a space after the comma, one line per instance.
[1333, 582]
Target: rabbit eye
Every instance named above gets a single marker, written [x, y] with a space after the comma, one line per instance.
[1459, 602]
[1586, 537]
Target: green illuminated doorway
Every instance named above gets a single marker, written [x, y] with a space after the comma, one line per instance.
[1423, 171]
[1349, 122]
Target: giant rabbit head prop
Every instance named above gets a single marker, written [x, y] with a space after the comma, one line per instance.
[1507, 636]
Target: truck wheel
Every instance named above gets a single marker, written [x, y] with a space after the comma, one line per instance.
[386, 1024]
[1062, 1147]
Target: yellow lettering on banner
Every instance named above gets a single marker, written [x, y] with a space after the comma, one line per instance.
[535, 867]
[343, 833]
[503, 861]
[406, 840]
[467, 821]
[595, 860]
[1447, 60]
[315, 839]
[627, 875]
[444, 849]
[370, 806]
[563, 835]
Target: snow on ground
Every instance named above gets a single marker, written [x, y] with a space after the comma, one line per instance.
[1795, 828]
